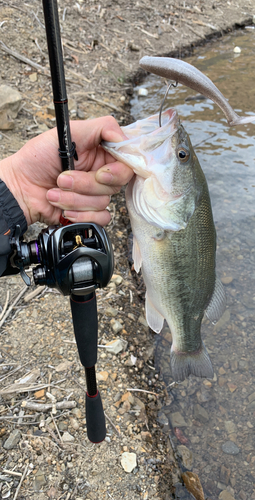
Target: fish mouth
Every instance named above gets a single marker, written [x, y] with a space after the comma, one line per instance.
[144, 138]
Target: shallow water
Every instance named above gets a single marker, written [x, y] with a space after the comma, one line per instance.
[219, 415]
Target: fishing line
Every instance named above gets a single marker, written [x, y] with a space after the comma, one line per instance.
[174, 85]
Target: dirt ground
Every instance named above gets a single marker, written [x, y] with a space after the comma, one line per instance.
[45, 454]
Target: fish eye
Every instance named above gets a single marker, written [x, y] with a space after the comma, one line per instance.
[183, 154]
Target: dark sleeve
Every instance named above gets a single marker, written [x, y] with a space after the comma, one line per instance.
[10, 216]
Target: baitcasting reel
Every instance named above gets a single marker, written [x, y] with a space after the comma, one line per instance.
[75, 259]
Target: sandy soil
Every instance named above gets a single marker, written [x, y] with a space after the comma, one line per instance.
[102, 47]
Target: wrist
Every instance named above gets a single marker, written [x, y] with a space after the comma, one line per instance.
[8, 177]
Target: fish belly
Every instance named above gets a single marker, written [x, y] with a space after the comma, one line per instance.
[178, 268]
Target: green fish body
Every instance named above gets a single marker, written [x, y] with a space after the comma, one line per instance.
[174, 238]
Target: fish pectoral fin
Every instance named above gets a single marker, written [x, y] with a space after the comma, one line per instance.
[154, 319]
[217, 303]
[136, 254]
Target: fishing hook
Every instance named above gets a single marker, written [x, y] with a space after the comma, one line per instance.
[164, 98]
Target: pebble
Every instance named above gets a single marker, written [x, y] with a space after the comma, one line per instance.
[224, 475]
[116, 325]
[67, 437]
[116, 346]
[177, 419]
[77, 412]
[74, 423]
[146, 436]
[143, 321]
[39, 480]
[186, 454]
[111, 311]
[226, 280]
[200, 414]
[225, 495]
[193, 485]
[102, 376]
[142, 92]
[10, 102]
[230, 448]
[225, 318]
[12, 440]
[230, 426]
[237, 50]
[128, 461]
[117, 279]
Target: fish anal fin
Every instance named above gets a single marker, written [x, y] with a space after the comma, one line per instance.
[217, 303]
[154, 319]
[195, 363]
[136, 254]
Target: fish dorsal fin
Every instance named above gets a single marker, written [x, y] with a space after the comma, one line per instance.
[136, 254]
[154, 319]
[217, 304]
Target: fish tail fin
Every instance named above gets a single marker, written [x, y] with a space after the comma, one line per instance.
[195, 363]
[240, 120]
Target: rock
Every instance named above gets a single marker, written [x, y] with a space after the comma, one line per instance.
[111, 311]
[67, 438]
[133, 47]
[10, 102]
[230, 448]
[230, 426]
[225, 318]
[225, 495]
[116, 346]
[237, 50]
[226, 280]
[186, 455]
[116, 325]
[128, 461]
[77, 412]
[222, 381]
[74, 423]
[146, 436]
[12, 440]
[232, 387]
[142, 92]
[200, 414]
[251, 397]
[39, 480]
[33, 77]
[177, 419]
[224, 475]
[102, 376]
[193, 485]
[143, 321]
[117, 279]
[162, 419]
[63, 366]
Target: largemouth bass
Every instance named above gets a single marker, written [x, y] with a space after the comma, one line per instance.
[185, 73]
[174, 238]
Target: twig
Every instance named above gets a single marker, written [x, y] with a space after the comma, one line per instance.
[142, 390]
[107, 104]
[5, 305]
[62, 405]
[112, 424]
[13, 371]
[56, 427]
[12, 472]
[24, 59]
[13, 305]
[23, 388]
[20, 483]
[147, 33]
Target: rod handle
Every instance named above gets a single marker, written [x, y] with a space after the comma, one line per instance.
[96, 429]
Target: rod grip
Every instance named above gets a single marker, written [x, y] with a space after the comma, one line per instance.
[85, 324]
[95, 418]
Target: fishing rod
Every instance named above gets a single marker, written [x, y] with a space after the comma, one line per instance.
[74, 258]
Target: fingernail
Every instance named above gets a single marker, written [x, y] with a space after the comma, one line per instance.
[65, 181]
[104, 177]
[53, 195]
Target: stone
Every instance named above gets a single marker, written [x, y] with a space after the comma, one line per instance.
[230, 448]
[67, 438]
[224, 475]
[13, 439]
[193, 485]
[102, 376]
[116, 346]
[63, 366]
[39, 480]
[200, 414]
[146, 436]
[117, 279]
[116, 326]
[10, 103]
[251, 397]
[128, 461]
[111, 311]
[186, 455]
[226, 280]
[177, 420]
[225, 495]
[230, 426]
[232, 387]
[143, 321]
[225, 318]
[74, 423]
[222, 381]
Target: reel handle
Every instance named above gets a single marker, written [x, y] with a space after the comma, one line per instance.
[85, 323]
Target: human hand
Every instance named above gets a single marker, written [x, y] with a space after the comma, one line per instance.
[34, 177]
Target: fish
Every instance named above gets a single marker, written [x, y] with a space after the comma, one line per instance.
[185, 73]
[174, 237]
